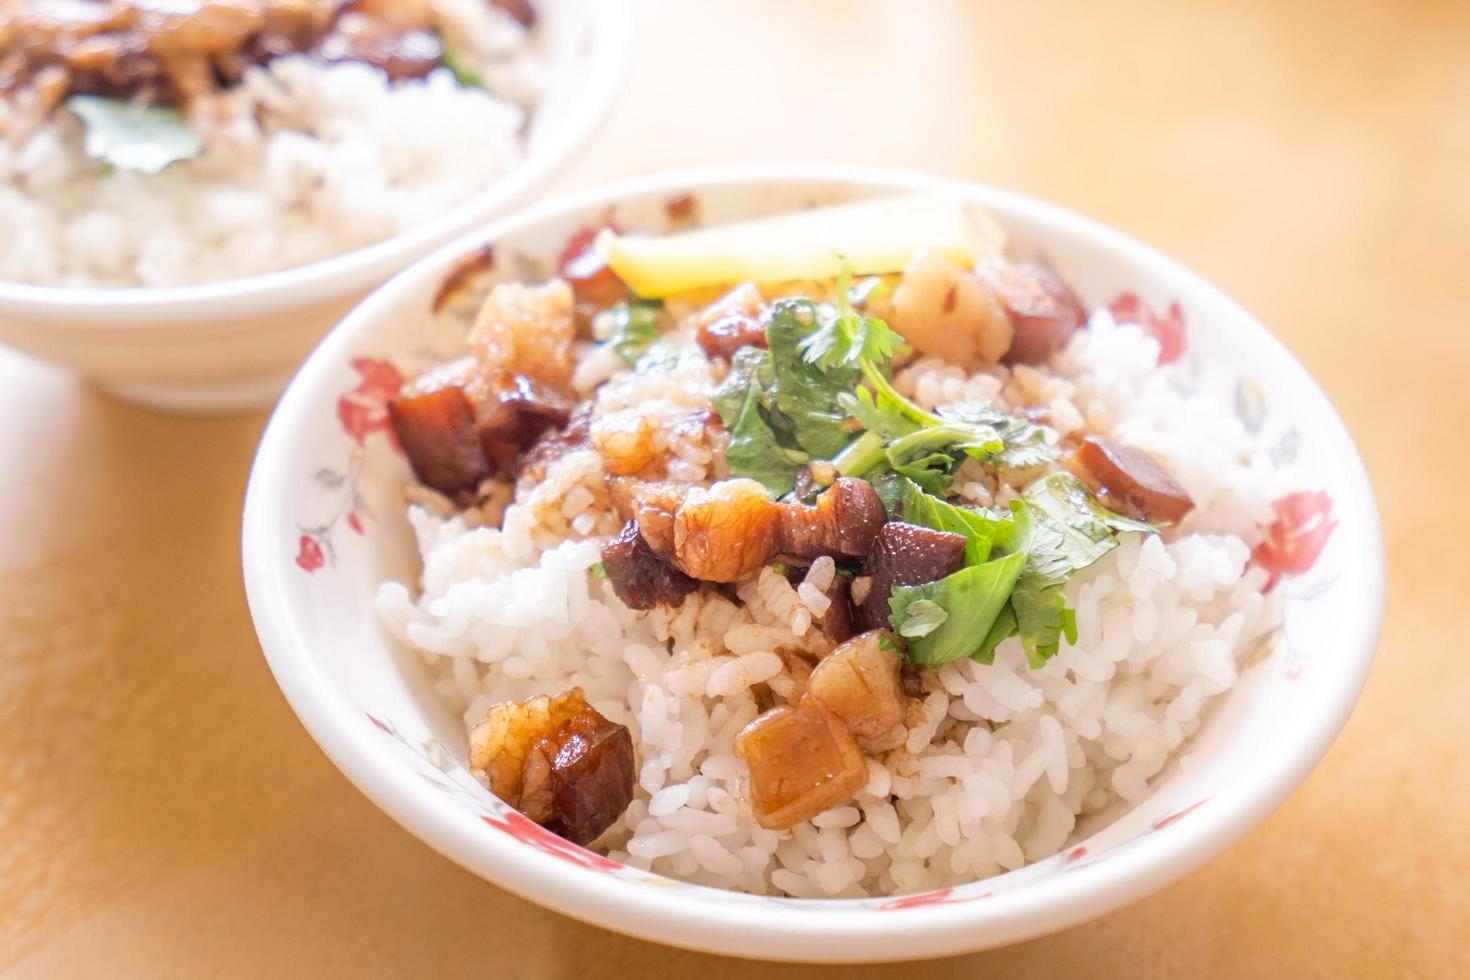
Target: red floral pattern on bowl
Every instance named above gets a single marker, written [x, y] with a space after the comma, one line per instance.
[1294, 541]
[1167, 328]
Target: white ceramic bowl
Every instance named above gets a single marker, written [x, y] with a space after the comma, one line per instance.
[313, 558]
[231, 345]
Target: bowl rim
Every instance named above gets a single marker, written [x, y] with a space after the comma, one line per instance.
[140, 307]
[785, 931]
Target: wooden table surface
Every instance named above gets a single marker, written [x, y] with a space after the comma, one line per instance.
[163, 814]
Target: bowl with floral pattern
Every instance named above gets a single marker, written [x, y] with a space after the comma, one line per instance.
[324, 525]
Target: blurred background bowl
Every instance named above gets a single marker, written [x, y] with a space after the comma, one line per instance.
[311, 576]
[230, 346]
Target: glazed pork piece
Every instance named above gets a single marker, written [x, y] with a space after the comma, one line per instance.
[510, 391]
[843, 522]
[808, 757]
[732, 529]
[652, 504]
[1042, 309]
[1129, 481]
[558, 761]
[945, 312]
[1001, 312]
[724, 335]
[171, 52]
[726, 532]
[859, 683]
[904, 554]
[802, 760]
[435, 421]
[641, 577]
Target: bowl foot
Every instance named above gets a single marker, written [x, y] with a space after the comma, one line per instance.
[231, 398]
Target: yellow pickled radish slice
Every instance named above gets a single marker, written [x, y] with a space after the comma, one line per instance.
[874, 236]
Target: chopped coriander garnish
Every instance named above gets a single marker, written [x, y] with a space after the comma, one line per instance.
[821, 397]
[127, 136]
[634, 328]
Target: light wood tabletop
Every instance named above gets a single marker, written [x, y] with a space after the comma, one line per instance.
[162, 813]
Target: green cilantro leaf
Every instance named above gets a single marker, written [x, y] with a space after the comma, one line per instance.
[134, 137]
[974, 597]
[634, 328]
[923, 616]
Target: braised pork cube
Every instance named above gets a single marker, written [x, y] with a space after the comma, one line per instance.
[403, 15]
[1129, 481]
[625, 442]
[727, 531]
[725, 335]
[945, 312]
[652, 503]
[1043, 311]
[522, 352]
[399, 53]
[905, 554]
[859, 683]
[525, 330]
[842, 523]
[459, 283]
[520, 10]
[640, 576]
[558, 761]
[574, 437]
[594, 285]
[517, 413]
[837, 622]
[434, 419]
[803, 760]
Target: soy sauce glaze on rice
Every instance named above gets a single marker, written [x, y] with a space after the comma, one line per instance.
[839, 587]
[227, 129]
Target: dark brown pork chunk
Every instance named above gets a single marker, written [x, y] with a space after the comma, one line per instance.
[724, 336]
[1129, 481]
[161, 51]
[842, 523]
[434, 419]
[400, 54]
[1043, 310]
[575, 436]
[905, 554]
[652, 503]
[640, 576]
[456, 431]
[558, 761]
[515, 416]
[594, 285]
[521, 10]
[837, 622]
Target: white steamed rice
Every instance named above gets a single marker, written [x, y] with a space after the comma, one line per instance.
[301, 161]
[1002, 760]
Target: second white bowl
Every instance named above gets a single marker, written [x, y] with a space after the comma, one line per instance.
[230, 346]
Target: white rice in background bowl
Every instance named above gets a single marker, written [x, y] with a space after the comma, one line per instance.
[300, 162]
[1005, 760]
